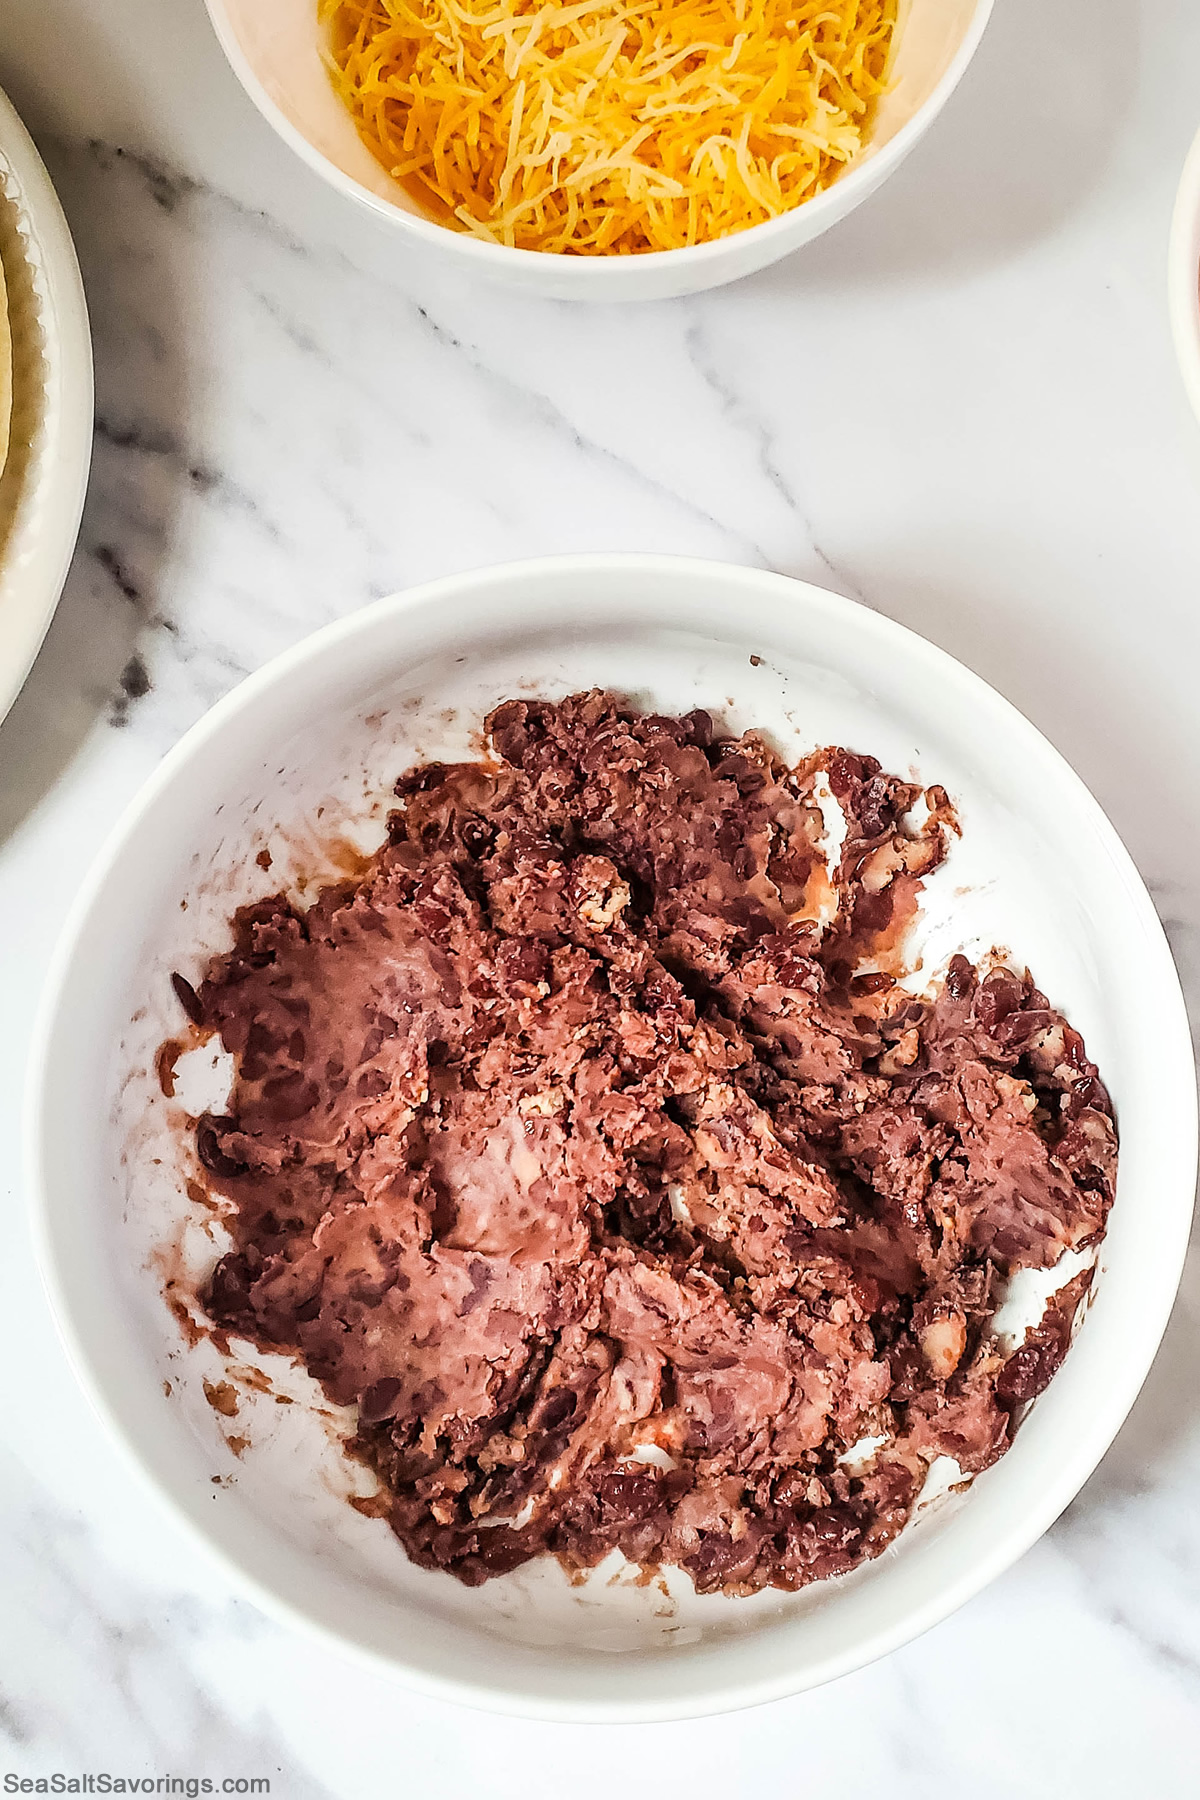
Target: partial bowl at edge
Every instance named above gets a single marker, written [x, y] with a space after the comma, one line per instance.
[1184, 276]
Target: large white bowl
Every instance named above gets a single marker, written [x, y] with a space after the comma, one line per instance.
[274, 47]
[1184, 276]
[309, 748]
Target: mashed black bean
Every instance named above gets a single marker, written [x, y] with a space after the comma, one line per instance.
[588, 1145]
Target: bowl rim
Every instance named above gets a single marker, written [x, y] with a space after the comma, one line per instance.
[1183, 275]
[507, 1693]
[694, 258]
[36, 559]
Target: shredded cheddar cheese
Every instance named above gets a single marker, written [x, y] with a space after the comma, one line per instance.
[610, 126]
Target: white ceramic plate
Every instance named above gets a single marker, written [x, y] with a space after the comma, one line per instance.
[274, 49]
[45, 478]
[308, 749]
[1184, 276]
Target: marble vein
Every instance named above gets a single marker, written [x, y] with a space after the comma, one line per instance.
[747, 421]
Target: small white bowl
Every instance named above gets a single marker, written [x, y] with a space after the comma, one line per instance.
[308, 748]
[1184, 275]
[44, 478]
[274, 47]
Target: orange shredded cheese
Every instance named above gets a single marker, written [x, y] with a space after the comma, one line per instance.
[610, 126]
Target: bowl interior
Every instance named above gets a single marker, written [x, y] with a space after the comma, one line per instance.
[280, 42]
[299, 763]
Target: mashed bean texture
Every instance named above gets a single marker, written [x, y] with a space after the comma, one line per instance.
[588, 1145]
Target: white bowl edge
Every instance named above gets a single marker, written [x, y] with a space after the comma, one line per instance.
[1183, 275]
[47, 524]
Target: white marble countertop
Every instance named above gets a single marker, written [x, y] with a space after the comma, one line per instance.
[961, 407]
